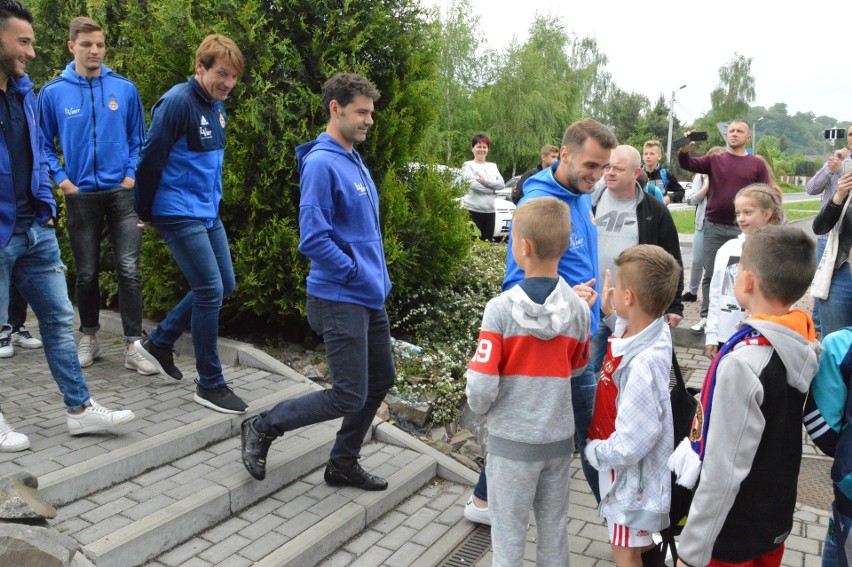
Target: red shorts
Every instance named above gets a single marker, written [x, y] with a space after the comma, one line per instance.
[771, 559]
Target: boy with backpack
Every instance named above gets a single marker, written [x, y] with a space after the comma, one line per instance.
[746, 442]
[631, 434]
[664, 180]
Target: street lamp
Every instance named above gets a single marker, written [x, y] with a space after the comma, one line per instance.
[671, 124]
[754, 133]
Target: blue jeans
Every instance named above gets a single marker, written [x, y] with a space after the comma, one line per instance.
[201, 251]
[697, 270]
[598, 349]
[360, 363]
[820, 248]
[32, 263]
[86, 212]
[837, 549]
[836, 311]
[583, 389]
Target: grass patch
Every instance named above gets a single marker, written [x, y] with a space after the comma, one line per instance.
[685, 218]
[790, 188]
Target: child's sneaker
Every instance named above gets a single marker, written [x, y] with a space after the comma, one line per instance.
[10, 440]
[95, 418]
[24, 339]
[476, 514]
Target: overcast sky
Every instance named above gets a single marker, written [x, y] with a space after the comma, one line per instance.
[800, 52]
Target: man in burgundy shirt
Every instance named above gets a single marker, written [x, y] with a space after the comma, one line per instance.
[729, 172]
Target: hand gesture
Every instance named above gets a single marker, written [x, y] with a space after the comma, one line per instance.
[606, 298]
[586, 292]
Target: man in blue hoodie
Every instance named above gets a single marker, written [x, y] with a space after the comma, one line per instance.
[585, 151]
[178, 192]
[98, 117]
[347, 287]
[29, 252]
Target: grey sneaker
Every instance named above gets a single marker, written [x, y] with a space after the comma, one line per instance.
[221, 399]
[133, 360]
[6, 348]
[24, 339]
[699, 327]
[88, 350]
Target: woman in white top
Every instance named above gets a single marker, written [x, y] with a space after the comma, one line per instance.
[485, 180]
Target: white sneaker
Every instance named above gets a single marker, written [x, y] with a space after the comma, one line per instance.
[88, 350]
[96, 418]
[699, 327]
[476, 514]
[133, 360]
[6, 348]
[24, 339]
[10, 440]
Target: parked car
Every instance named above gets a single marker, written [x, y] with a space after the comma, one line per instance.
[505, 210]
[506, 192]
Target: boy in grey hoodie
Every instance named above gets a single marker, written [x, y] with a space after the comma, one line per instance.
[534, 339]
[746, 441]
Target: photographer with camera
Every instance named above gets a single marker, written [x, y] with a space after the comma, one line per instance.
[824, 183]
[729, 172]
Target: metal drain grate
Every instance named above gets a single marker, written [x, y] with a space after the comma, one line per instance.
[471, 550]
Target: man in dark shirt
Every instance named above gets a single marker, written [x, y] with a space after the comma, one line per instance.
[549, 156]
[729, 171]
[29, 252]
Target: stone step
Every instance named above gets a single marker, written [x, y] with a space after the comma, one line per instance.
[98, 473]
[306, 520]
[139, 518]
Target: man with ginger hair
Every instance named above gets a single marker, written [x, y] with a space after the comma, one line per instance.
[178, 192]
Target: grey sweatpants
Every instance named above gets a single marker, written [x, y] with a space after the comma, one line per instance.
[515, 487]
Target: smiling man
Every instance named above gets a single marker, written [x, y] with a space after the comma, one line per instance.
[347, 287]
[98, 117]
[729, 172]
[29, 252]
[178, 192]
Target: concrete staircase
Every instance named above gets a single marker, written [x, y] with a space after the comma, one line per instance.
[169, 489]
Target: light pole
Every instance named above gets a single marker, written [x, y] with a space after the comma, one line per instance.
[754, 133]
[671, 124]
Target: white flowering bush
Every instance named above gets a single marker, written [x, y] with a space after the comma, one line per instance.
[445, 323]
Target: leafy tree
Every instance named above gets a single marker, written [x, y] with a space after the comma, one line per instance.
[735, 91]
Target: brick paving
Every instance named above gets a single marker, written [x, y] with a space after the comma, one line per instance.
[403, 536]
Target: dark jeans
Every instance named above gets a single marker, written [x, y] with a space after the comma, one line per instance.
[715, 235]
[485, 223]
[86, 212]
[17, 309]
[583, 389]
[201, 251]
[600, 341]
[358, 348]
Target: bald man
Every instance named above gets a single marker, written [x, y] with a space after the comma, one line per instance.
[625, 216]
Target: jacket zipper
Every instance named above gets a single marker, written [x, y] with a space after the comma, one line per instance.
[94, 133]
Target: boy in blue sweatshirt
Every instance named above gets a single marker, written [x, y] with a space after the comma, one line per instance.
[347, 286]
[98, 117]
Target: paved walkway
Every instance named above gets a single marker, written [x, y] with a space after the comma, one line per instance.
[33, 405]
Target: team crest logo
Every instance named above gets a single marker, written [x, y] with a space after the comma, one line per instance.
[697, 424]
[221, 119]
[113, 105]
[608, 368]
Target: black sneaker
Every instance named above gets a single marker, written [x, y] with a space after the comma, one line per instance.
[688, 296]
[357, 477]
[162, 358]
[255, 446]
[221, 399]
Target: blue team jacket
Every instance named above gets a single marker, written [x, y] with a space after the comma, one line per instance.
[179, 174]
[100, 124]
[339, 225]
[40, 182]
[579, 264]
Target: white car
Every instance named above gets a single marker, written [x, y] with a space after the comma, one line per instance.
[505, 210]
